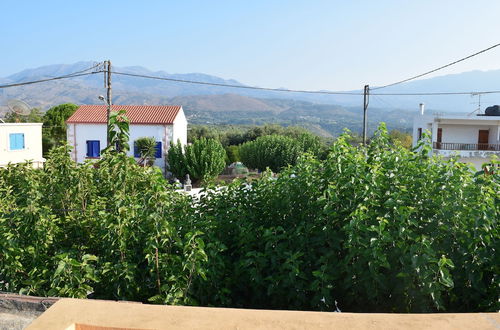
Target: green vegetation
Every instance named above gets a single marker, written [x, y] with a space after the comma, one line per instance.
[203, 160]
[146, 146]
[377, 229]
[271, 151]
[370, 229]
[54, 125]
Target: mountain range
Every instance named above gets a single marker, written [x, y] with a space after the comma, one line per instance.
[325, 114]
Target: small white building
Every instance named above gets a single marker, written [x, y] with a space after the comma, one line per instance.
[474, 138]
[20, 143]
[86, 129]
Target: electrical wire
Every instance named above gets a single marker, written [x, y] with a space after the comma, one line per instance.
[437, 69]
[235, 86]
[301, 91]
[436, 93]
[69, 75]
[48, 79]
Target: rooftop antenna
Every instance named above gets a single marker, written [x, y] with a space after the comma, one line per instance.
[19, 107]
[478, 110]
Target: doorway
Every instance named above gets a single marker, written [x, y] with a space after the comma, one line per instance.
[483, 139]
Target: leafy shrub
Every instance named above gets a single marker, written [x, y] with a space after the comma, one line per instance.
[273, 151]
[379, 229]
[370, 229]
[202, 160]
[177, 163]
[233, 154]
[110, 229]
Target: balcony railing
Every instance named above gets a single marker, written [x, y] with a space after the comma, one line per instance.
[466, 146]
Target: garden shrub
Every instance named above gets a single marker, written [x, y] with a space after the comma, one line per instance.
[375, 229]
[202, 160]
[272, 151]
[370, 229]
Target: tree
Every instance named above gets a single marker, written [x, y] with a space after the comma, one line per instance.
[233, 154]
[405, 139]
[177, 160]
[273, 151]
[202, 160]
[118, 132]
[205, 159]
[54, 121]
[146, 146]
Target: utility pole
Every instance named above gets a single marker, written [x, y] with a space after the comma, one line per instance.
[366, 98]
[107, 65]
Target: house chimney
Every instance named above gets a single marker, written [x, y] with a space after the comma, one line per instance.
[422, 106]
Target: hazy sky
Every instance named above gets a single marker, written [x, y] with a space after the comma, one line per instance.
[305, 44]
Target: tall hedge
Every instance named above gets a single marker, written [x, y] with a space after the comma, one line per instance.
[271, 151]
[369, 229]
[202, 160]
[377, 229]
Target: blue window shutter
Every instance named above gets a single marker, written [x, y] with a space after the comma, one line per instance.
[158, 150]
[136, 151]
[93, 148]
[97, 148]
[16, 141]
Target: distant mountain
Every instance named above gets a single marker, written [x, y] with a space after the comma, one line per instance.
[217, 104]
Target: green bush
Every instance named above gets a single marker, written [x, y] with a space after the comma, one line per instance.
[205, 159]
[377, 229]
[233, 154]
[177, 163]
[202, 160]
[370, 229]
[271, 151]
[110, 230]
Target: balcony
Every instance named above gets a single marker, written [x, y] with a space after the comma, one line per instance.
[466, 146]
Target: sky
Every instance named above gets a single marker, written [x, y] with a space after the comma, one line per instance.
[309, 44]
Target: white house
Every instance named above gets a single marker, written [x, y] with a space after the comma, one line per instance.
[474, 138]
[21, 142]
[86, 129]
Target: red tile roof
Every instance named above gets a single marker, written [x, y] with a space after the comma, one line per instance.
[137, 114]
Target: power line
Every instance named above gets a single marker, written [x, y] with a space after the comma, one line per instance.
[437, 69]
[301, 91]
[48, 79]
[436, 93]
[70, 75]
[235, 86]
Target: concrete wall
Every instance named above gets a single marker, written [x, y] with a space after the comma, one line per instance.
[466, 133]
[32, 144]
[79, 134]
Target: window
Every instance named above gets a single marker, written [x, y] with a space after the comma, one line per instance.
[419, 133]
[93, 148]
[16, 141]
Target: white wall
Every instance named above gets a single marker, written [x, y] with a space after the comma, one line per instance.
[32, 142]
[466, 133]
[79, 134]
[180, 128]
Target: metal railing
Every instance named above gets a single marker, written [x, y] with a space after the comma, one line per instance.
[466, 146]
